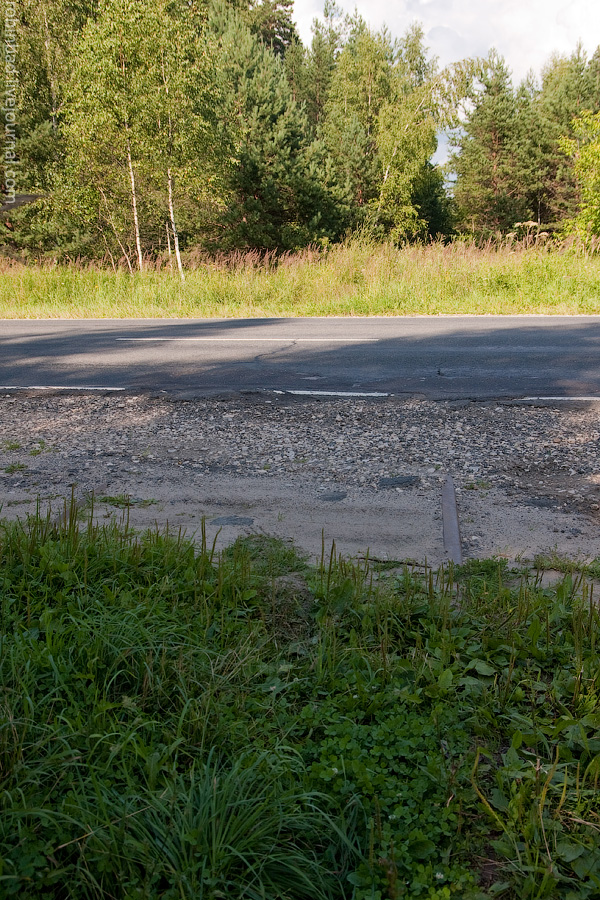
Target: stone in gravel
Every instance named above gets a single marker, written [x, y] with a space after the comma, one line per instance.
[541, 502]
[233, 520]
[399, 481]
[333, 496]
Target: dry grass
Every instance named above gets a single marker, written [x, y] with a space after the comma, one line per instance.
[356, 278]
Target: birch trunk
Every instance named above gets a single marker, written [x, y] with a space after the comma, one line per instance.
[136, 223]
[168, 242]
[173, 225]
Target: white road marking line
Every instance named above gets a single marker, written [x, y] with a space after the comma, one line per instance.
[56, 387]
[334, 393]
[562, 399]
[228, 340]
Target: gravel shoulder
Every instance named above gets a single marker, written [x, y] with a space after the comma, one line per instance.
[366, 474]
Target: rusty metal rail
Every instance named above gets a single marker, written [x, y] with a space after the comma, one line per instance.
[452, 541]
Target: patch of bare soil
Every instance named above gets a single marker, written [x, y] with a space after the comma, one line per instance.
[366, 474]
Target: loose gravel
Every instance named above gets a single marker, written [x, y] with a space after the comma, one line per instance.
[546, 457]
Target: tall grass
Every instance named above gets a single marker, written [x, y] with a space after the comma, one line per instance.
[352, 279]
[180, 724]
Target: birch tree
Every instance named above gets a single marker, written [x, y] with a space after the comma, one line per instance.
[104, 130]
[423, 102]
[141, 135]
[190, 147]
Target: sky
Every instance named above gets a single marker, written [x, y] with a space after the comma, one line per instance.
[525, 32]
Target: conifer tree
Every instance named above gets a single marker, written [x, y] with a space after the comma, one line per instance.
[360, 85]
[271, 21]
[487, 190]
[328, 38]
[279, 189]
[569, 86]
[295, 69]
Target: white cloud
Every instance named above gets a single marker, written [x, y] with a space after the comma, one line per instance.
[525, 32]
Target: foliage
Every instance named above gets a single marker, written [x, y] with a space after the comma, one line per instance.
[177, 723]
[152, 128]
[585, 149]
[510, 167]
[485, 190]
[569, 86]
[279, 190]
[139, 123]
[272, 21]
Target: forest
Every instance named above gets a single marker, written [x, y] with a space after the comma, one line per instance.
[148, 129]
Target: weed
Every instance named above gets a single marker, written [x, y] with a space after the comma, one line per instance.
[244, 724]
[566, 564]
[15, 467]
[124, 501]
[11, 445]
[41, 447]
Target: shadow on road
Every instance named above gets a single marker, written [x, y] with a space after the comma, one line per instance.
[482, 359]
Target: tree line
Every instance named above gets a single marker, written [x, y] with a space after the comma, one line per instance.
[153, 126]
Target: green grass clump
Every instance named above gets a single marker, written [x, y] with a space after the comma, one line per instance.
[180, 724]
[124, 501]
[357, 278]
[15, 467]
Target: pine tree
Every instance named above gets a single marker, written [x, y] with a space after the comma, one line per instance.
[432, 203]
[327, 40]
[360, 85]
[295, 69]
[280, 195]
[272, 21]
[569, 86]
[487, 190]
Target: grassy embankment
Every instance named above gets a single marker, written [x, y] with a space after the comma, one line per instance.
[179, 725]
[352, 279]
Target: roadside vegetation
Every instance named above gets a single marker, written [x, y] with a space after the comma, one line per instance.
[358, 277]
[157, 128]
[177, 723]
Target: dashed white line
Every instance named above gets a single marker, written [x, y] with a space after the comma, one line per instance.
[334, 393]
[562, 399]
[57, 387]
[248, 340]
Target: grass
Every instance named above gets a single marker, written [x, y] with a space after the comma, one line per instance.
[180, 724]
[352, 279]
[557, 562]
[123, 501]
[41, 447]
[15, 467]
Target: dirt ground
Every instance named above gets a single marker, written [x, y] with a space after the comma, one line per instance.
[365, 474]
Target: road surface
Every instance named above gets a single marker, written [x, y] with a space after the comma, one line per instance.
[453, 357]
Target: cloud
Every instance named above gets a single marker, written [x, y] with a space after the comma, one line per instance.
[525, 32]
[450, 45]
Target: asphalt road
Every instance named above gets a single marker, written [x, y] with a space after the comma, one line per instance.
[470, 357]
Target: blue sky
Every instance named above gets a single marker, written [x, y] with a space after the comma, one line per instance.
[525, 32]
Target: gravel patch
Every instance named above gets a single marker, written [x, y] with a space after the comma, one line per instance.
[544, 457]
